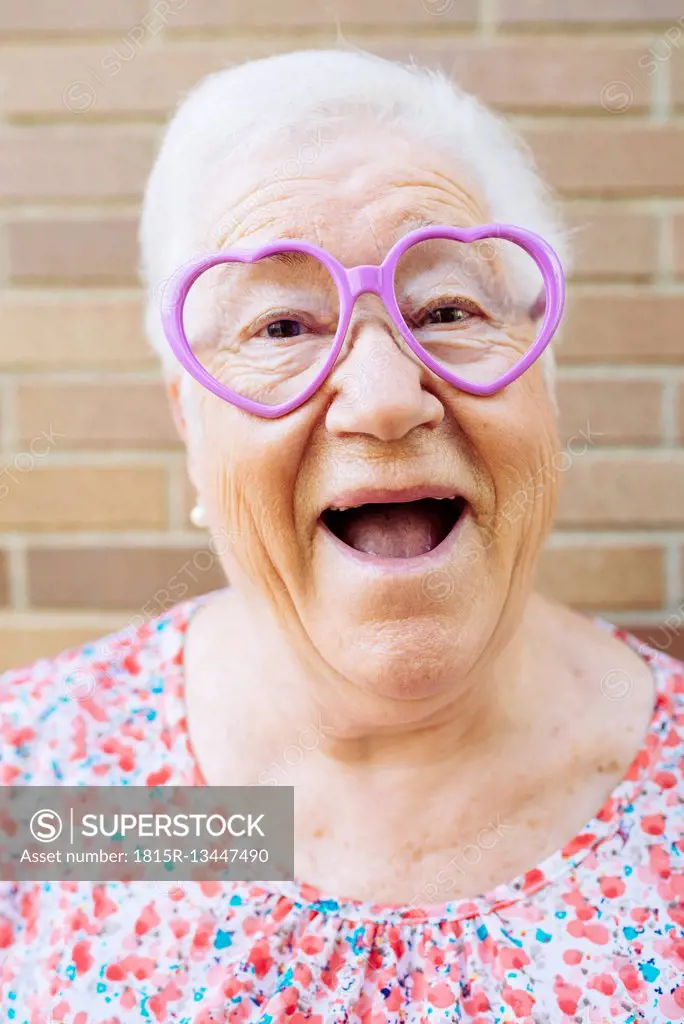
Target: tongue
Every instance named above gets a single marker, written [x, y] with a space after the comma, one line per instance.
[393, 531]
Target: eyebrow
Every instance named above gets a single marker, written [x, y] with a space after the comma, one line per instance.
[290, 259]
[412, 222]
[296, 259]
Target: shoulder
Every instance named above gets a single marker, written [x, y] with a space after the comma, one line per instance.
[624, 681]
[609, 655]
[668, 673]
[659, 764]
[78, 717]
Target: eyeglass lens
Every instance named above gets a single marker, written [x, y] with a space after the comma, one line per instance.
[266, 329]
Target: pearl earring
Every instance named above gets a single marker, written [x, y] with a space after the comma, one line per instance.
[198, 516]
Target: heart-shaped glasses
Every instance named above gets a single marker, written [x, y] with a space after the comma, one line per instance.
[263, 328]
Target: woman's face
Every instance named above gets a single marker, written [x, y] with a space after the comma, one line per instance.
[400, 596]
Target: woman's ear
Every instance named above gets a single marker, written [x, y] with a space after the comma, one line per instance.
[173, 392]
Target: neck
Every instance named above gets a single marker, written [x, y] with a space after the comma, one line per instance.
[322, 719]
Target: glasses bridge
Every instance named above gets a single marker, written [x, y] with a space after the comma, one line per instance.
[365, 279]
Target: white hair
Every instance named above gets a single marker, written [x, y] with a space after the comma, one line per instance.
[240, 111]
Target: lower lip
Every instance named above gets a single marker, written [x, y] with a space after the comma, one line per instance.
[417, 563]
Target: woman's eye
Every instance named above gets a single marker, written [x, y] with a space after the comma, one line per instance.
[449, 315]
[285, 329]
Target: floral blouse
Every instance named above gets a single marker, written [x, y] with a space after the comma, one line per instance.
[593, 934]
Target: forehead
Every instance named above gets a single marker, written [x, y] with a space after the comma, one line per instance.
[354, 195]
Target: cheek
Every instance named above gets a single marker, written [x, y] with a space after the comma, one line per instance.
[217, 453]
[531, 483]
[216, 449]
[246, 474]
[517, 442]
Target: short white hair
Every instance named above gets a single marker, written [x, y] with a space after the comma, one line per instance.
[242, 110]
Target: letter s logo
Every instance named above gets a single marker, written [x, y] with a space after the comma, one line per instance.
[45, 826]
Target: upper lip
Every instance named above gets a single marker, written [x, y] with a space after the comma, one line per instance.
[388, 495]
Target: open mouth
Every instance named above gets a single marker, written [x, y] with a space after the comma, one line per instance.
[402, 529]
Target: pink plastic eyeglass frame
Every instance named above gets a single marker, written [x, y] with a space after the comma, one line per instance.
[352, 282]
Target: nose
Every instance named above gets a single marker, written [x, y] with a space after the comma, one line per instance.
[378, 390]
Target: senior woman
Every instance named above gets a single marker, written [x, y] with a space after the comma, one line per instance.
[353, 277]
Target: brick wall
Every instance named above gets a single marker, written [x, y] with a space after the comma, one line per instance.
[94, 502]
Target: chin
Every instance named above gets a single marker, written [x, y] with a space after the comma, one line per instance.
[407, 657]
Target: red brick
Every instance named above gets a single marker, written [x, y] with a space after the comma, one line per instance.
[611, 326]
[621, 411]
[76, 80]
[152, 579]
[107, 415]
[678, 226]
[551, 13]
[437, 14]
[611, 244]
[36, 496]
[92, 333]
[662, 636]
[676, 63]
[25, 638]
[91, 163]
[507, 73]
[64, 16]
[603, 492]
[100, 79]
[596, 577]
[4, 579]
[73, 251]
[607, 158]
